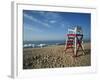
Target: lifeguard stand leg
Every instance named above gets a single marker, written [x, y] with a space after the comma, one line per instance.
[83, 48]
[75, 47]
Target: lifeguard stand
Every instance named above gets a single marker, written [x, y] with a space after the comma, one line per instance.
[74, 40]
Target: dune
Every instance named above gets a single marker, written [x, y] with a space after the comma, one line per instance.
[55, 57]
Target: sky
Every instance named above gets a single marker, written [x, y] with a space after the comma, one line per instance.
[46, 25]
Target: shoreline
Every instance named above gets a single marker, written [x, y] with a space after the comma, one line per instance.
[86, 45]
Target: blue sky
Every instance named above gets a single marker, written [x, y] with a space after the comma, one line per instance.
[46, 25]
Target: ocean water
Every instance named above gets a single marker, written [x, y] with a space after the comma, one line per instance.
[35, 44]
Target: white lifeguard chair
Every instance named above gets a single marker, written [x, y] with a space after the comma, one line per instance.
[74, 40]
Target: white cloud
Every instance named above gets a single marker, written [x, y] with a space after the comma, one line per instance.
[36, 20]
[51, 17]
[31, 29]
[52, 21]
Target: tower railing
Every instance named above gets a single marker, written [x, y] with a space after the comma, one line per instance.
[74, 40]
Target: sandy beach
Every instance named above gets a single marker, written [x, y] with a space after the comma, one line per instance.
[55, 57]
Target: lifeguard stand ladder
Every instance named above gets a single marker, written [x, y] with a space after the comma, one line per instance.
[74, 40]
